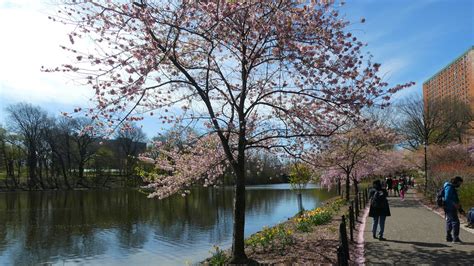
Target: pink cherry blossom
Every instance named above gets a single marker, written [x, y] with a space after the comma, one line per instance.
[257, 74]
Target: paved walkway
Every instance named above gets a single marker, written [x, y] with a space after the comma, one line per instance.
[416, 235]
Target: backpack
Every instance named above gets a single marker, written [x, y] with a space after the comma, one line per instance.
[470, 217]
[440, 197]
[377, 200]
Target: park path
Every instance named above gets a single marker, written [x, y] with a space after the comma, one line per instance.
[415, 235]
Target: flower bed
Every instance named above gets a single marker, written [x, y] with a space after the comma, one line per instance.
[270, 239]
[311, 237]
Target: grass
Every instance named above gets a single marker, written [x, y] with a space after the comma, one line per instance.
[466, 195]
[219, 257]
[271, 238]
[278, 237]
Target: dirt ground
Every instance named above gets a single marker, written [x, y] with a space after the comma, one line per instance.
[310, 248]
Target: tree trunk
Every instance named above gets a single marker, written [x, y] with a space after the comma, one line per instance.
[32, 161]
[19, 171]
[339, 192]
[348, 181]
[356, 187]
[426, 167]
[47, 171]
[238, 246]
[40, 173]
[81, 175]
[63, 169]
[300, 203]
[11, 172]
[6, 160]
[66, 182]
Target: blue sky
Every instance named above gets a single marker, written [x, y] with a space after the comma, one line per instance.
[413, 39]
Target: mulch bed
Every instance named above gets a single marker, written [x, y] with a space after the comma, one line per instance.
[316, 247]
[319, 246]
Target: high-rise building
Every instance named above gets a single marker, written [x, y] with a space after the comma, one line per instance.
[456, 80]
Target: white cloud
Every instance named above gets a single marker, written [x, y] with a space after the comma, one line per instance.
[29, 41]
[392, 66]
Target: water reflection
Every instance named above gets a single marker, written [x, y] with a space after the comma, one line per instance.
[124, 227]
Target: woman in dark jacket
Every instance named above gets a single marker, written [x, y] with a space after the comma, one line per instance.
[379, 208]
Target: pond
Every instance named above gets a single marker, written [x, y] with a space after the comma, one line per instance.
[123, 227]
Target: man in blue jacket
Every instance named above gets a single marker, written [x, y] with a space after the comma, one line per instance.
[451, 208]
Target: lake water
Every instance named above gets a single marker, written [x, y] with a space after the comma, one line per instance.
[123, 227]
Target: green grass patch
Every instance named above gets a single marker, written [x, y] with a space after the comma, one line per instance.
[318, 216]
[218, 257]
[466, 195]
[270, 238]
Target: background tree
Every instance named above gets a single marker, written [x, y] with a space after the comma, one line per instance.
[28, 121]
[130, 140]
[300, 176]
[261, 74]
[101, 161]
[83, 139]
[58, 136]
[458, 117]
[8, 155]
[392, 162]
[435, 122]
[354, 153]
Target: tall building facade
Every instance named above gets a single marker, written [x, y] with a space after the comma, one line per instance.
[455, 81]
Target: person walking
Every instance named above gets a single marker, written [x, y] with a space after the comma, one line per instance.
[379, 208]
[402, 187]
[451, 209]
[396, 192]
[389, 184]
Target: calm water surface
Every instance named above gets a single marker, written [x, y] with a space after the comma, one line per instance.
[123, 227]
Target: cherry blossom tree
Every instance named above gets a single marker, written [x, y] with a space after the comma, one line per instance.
[391, 162]
[354, 154]
[258, 74]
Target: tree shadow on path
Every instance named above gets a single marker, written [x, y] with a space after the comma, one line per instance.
[408, 203]
[419, 253]
[421, 244]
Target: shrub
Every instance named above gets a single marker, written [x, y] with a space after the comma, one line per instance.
[270, 238]
[218, 257]
[466, 195]
[317, 216]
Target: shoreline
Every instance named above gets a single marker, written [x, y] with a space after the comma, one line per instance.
[306, 247]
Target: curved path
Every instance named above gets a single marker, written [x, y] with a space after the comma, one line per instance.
[416, 235]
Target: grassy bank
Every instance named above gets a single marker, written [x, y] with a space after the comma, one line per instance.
[311, 237]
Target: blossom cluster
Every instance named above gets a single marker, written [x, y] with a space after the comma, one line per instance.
[176, 170]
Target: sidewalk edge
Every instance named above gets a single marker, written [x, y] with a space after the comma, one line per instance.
[360, 251]
[463, 224]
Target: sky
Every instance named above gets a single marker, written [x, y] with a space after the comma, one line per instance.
[412, 39]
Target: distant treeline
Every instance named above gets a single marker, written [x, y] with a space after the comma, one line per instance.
[40, 151]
